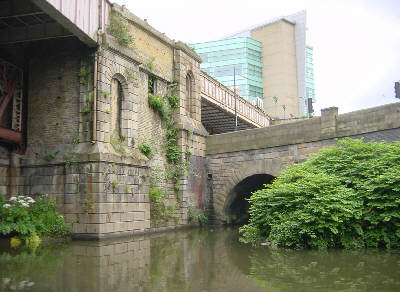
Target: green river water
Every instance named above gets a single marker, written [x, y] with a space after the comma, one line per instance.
[194, 260]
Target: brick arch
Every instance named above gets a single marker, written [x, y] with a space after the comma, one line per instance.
[245, 170]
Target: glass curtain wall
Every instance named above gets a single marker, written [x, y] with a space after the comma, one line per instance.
[243, 54]
[310, 91]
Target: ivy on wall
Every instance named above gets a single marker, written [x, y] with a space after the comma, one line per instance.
[164, 106]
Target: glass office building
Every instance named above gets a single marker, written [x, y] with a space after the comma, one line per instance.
[244, 54]
[310, 91]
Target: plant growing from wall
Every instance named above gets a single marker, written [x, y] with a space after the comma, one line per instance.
[118, 145]
[88, 100]
[86, 70]
[150, 64]
[119, 28]
[191, 213]
[49, 155]
[158, 104]
[164, 106]
[147, 150]
[202, 219]
[188, 152]
[114, 185]
[130, 74]
[106, 94]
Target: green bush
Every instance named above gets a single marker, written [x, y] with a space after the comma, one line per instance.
[24, 217]
[345, 196]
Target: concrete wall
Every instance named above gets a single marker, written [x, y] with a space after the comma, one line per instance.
[232, 157]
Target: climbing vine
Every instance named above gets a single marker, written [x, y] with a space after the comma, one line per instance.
[165, 106]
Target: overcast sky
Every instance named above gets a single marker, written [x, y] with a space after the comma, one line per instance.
[356, 42]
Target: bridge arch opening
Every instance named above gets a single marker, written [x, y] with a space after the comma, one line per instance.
[237, 207]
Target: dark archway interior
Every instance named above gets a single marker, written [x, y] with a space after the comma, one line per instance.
[237, 207]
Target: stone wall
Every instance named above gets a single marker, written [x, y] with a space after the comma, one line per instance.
[83, 136]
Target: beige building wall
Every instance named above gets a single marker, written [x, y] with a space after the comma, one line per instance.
[279, 68]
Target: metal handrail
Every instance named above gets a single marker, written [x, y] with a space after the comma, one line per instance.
[225, 98]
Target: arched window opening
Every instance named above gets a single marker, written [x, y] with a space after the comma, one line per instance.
[116, 99]
[188, 100]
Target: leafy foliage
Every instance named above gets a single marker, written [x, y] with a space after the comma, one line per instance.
[156, 194]
[146, 150]
[173, 98]
[157, 103]
[172, 151]
[25, 217]
[346, 196]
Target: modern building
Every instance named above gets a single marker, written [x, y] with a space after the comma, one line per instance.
[234, 61]
[287, 68]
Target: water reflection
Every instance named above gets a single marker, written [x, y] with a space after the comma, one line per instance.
[194, 260]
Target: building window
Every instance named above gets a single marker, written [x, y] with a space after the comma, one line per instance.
[189, 92]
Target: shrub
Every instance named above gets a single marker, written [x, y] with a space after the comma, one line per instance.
[27, 218]
[345, 196]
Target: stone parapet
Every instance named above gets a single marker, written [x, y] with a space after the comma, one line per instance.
[330, 125]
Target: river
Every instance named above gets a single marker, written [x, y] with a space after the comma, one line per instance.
[194, 260]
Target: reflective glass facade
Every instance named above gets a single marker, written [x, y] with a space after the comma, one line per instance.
[243, 54]
[310, 91]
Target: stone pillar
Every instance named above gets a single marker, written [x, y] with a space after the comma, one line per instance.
[329, 122]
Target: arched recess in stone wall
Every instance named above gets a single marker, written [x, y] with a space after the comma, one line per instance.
[189, 93]
[271, 167]
[123, 108]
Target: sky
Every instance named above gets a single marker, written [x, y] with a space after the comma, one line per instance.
[356, 42]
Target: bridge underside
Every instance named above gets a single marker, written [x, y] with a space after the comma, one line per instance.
[27, 27]
[32, 20]
[217, 120]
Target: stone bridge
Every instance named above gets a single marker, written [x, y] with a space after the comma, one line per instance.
[241, 162]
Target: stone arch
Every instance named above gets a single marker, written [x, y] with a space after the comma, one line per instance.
[189, 93]
[270, 167]
[236, 207]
